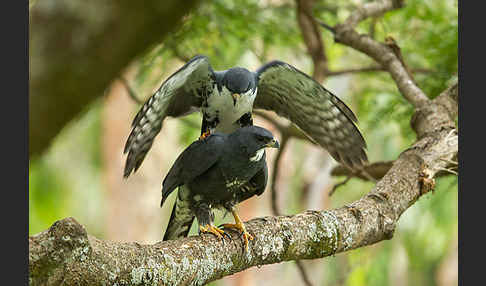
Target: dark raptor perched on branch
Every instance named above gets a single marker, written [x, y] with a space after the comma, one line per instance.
[217, 172]
[227, 98]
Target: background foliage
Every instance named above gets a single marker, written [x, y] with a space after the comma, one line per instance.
[67, 180]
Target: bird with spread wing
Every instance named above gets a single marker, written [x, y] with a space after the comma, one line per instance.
[227, 99]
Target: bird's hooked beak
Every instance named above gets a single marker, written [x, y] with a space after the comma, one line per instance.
[273, 144]
[236, 97]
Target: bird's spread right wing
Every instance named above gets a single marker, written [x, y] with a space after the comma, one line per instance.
[319, 113]
[192, 162]
[182, 93]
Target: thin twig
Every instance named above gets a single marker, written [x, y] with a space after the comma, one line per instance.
[334, 188]
[454, 163]
[130, 91]
[290, 130]
[270, 119]
[326, 26]
[448, 171]
[303, 273]
[283, 144]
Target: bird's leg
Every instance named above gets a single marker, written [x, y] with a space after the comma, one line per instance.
[239, 226]
[205, 218]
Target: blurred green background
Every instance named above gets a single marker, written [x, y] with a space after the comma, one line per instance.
[77, 176]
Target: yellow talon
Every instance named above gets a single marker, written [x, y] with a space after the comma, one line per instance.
[239, 226]
[212, 229]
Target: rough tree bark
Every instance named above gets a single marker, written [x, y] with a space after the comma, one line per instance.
[66, 254]
[77, 47]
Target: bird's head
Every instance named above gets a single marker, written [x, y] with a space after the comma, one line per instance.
[253, 140]
[240, 82]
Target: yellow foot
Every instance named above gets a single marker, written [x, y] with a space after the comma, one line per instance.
[241, 227]
[205, 135]
[212, 229]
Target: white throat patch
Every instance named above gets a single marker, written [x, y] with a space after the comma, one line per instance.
[258, 155]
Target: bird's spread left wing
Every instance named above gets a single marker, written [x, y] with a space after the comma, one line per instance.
[320, 114]
[179, 95]
[192, 162]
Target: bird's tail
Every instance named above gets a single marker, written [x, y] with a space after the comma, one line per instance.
[180, 221]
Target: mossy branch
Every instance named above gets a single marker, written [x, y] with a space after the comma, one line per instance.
[66, 254]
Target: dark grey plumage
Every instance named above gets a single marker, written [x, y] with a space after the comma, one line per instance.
[227, 98]
[238, 80]
[218, 172]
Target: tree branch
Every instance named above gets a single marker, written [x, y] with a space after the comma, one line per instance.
[378, 169]
[372, 9]
[440, 113]
[201, 259]
[73, 58]
[66, 253]
[312, 38]
[373, 69]
[384, 54]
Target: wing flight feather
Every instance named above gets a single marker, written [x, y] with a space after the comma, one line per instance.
[320, 114]
[182, 93]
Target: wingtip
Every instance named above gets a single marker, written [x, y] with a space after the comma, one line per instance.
[127, 172]
[164, 197]
[354, 161]
[127, 146]
[128, 165]
[129, 169]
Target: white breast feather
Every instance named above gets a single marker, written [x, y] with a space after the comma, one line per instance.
[221, 103]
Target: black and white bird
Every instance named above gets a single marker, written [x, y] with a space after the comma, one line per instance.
[218, 172]
[227, 99]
